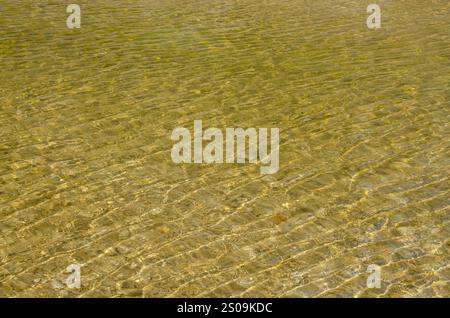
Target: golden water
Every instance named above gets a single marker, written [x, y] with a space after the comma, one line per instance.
[87, 178]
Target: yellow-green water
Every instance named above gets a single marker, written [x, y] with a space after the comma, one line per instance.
[87, 178]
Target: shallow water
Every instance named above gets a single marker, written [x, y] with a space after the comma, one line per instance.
[87, 178]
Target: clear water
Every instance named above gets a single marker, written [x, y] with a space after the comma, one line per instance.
[87, 178]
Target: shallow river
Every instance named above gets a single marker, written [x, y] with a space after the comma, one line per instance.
[87, 178]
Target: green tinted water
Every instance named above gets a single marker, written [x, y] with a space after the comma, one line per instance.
[87, 178]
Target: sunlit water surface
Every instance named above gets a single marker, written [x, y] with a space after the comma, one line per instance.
[87, 178]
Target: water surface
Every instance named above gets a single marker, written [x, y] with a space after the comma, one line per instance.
[87, 178]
